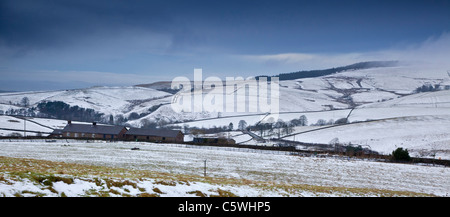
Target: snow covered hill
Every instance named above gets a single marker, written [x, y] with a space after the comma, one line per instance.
[106, 100]
[388, 94]
[343, 90]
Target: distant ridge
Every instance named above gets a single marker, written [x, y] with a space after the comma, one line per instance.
[323, 72]
[165, 85]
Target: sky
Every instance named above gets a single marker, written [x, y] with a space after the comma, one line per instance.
[62, 44]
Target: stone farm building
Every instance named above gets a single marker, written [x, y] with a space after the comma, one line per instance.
[109, 132]
[154, 135]
[93, 131]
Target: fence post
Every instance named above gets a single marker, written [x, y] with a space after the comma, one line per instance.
[204, 173]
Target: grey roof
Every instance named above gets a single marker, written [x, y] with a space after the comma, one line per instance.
[57, 131]
[152, 132]
[88, 128]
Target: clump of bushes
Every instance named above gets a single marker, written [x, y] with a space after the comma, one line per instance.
[401, 154]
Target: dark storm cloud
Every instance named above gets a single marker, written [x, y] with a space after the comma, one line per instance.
[134, 40]
[245, 26]
[52, 23]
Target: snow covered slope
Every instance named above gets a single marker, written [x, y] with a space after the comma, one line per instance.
[438, 99]
[345, 90]
[366, 88]
[106, 100]
[423, 136]
[33, 126]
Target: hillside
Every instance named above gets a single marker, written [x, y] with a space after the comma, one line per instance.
[388, 94]
[343, 90]
[381, 126]
[105, 100]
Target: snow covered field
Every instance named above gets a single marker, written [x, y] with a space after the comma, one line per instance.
[231, 163]
[423, 136]
[76, 187]
[45, 126]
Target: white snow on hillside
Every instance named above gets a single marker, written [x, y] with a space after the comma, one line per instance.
[437, 99]
[337, 91]
[423, 136]
[107, 100]
[376, 94]
[16, 125]
[43, 126]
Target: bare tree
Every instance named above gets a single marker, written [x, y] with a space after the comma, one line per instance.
[242, 125]
[25, 102]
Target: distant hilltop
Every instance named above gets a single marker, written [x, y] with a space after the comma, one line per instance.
[165, 85]
[323, 72]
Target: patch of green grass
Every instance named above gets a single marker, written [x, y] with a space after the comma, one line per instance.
[166, 182]
[119, 184]
[156, 190]
[223, 193]
[36, 194]
[197, 193]
[148, 195]
[45, 179]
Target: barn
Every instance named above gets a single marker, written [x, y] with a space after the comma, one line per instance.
[213, 140]
[154, 135]
[93, 131]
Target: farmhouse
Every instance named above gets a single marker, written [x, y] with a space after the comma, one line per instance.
[154, 135]
[93, 131]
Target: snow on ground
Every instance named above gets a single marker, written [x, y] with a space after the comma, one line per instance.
[256, 165]
[301, 95]
[11, 186]
[45, 126]
[373, 96]
[358, 114]
[438, 99]
[423, 136]
[17, 126]
[107, 100]
[400, 79]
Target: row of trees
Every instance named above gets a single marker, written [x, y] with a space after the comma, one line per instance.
[280, 127]
[56, 109]
[270, 127]
[61, 110]
[431, 88]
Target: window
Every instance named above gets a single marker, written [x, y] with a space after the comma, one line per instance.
[93, 135]
[76, 135]
[164, 138]
[68, 134]
[83, 135]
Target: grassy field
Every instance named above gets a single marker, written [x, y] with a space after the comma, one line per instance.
[31, 177]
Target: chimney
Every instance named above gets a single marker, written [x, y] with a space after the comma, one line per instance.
[69, 122]
[94, 123]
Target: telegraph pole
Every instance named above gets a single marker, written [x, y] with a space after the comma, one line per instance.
[24, 127]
